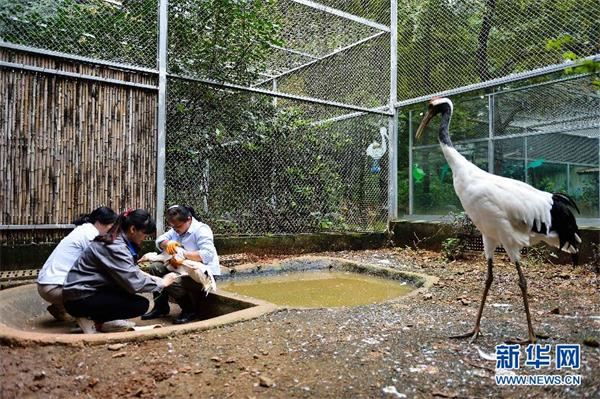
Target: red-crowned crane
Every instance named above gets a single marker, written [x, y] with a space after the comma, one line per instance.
[506, 211]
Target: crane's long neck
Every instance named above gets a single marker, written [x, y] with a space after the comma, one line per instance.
[455, 160]
[444, 135]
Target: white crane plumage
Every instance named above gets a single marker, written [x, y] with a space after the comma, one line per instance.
[507, 212]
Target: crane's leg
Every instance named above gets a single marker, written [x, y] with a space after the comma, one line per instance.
[488, 283]
[523, 286]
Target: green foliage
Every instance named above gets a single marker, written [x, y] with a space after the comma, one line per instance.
[453, 249]
[329, 221]
[225, 40]
[270, 169]
[462, 230]
[446, 44]
[566, 43]
[94, 28]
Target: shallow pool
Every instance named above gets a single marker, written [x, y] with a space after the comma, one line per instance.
[319, 289]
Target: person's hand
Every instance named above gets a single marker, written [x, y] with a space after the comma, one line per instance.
[169, 279]
[172, 246]
[175, 262]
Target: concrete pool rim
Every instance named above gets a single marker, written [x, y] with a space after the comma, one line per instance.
[10, 335]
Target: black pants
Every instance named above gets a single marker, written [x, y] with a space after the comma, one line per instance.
[108, 305]
[187, 293]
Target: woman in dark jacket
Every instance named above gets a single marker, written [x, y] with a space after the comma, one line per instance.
[102, 285]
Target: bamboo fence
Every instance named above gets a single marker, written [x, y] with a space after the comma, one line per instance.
[69, 145]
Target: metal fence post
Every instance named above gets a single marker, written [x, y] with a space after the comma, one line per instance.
[491, 127]
[162, 114]
[393, 120]
[411, 190]
[525, 158]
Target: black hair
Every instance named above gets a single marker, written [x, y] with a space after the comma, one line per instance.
[103, 214]
[139, 218]
[181, 213]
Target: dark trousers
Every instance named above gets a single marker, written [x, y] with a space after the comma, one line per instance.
[187, 293]
[108, 305]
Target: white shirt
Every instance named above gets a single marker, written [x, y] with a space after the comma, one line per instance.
[66, 253]
[199, 237]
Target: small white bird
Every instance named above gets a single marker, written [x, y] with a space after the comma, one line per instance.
[506, 211]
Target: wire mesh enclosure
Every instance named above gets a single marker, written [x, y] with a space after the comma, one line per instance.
[123, 31]
[444, 45]
[546, 134]
[288, 116]
[248, 165]
[258, 139]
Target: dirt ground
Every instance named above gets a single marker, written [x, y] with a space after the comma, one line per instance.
[390, 350]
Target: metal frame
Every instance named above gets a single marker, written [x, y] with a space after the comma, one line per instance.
[347, 116]
[162, 115]
[410, 165]
[494, 82]
[343, 14]
[67, 56]
[491, 104]
[289, 50]
[526, 158]
[393, 120]
[75, 75]
[534, 85]
[313, 100]
[333, 53]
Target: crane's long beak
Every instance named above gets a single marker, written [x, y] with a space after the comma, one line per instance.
[424, 123]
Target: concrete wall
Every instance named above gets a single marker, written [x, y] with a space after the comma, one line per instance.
[33, 256]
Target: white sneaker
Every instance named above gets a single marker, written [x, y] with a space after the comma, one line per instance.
[87, 326]
[117, 326]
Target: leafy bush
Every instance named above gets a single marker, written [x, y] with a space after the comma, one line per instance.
[453, 248]
[463, 229]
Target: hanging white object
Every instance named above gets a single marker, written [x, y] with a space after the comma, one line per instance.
[376, 150]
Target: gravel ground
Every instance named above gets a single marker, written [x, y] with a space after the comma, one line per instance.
[393, 350]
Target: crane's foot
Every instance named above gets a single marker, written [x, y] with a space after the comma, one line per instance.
[531, 340]
[519, 341]
[473, 335]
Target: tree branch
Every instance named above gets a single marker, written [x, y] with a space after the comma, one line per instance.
[482, 40]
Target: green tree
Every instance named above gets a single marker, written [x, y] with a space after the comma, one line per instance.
[93, 28]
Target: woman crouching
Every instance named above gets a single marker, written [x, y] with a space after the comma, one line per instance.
[100, 289]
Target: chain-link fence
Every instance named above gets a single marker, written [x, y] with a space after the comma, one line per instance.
[122, 31]
[248, 165]
[272, 105]
[254, 162]
[546, 134]
[444, 45]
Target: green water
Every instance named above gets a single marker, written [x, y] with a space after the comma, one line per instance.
[319, 289]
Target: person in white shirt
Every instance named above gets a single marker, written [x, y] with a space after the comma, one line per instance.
[102, 288]
[51, 278]
[196, 239]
